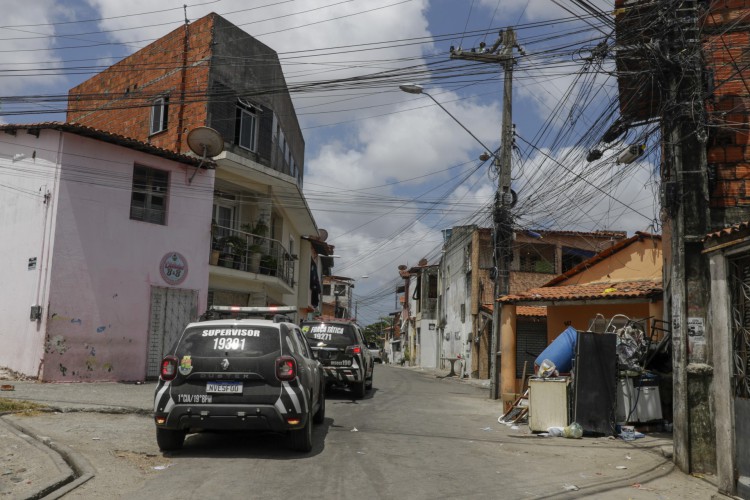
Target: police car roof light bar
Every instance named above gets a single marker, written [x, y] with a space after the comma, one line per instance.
[257, 309]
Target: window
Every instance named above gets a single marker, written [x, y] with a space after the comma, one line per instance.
[247, 125]
[159, 113]
[223, 215]
[326, 289]
[149, 199]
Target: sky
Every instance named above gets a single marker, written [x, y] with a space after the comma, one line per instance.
[387, 171]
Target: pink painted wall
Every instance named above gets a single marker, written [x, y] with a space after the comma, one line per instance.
[104, 264]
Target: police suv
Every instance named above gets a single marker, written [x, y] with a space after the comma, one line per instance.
[240, 374]
[340, 347]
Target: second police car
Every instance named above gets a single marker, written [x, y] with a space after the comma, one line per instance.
[340, 347]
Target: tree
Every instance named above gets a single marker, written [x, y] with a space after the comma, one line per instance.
[374, 331]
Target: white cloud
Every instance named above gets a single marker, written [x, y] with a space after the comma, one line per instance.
[27, 46]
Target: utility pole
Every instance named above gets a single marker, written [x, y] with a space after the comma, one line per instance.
[501, 52]
[685, 200]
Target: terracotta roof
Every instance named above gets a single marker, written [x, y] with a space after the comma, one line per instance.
[120, 140]
[527, 311]
[604, 254]
[727, 231]
[606, 290]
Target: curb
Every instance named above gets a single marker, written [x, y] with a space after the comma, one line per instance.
[81, 469]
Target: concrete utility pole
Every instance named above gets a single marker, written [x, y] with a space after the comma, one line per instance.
[501, 52]
[685, 200]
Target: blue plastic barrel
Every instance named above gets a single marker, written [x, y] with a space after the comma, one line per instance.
[561, 351]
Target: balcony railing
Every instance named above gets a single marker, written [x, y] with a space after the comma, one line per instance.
[251, 253]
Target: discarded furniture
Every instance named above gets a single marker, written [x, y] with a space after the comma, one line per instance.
[548, 403]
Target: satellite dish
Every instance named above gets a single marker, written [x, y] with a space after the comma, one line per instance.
[205, 142]
[322, 234]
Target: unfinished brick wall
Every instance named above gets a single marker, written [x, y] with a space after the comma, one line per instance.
[120, 98]
[725, 45]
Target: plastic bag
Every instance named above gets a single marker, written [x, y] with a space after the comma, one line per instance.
[573, 431]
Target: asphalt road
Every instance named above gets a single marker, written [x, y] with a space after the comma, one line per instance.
[414, 436]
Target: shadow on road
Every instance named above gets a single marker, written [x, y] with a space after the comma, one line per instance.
[239, 444]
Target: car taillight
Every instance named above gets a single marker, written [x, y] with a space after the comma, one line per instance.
[286, 368]
[354, 349]
[168, 368]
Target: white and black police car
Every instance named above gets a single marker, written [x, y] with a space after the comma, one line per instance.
[240, 374]
[340, 347]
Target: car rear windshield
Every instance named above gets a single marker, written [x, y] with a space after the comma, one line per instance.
[336, 334]
[230, 340]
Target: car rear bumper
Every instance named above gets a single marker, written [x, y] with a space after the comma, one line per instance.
[342, 375]
[229, 417]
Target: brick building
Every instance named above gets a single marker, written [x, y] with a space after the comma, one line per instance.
[685, 63]
[210, 73]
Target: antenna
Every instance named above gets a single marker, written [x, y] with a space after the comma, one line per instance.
[205, 142]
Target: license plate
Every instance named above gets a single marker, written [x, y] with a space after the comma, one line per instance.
[224, 387]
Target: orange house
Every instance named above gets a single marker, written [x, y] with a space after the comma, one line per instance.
[625, 279]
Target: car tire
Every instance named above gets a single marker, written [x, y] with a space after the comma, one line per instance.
[368, 383]
[169, 439]
[320, 415]
[360, 388]
[301, 439]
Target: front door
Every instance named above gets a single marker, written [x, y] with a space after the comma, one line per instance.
[171, 310]
[739, 281]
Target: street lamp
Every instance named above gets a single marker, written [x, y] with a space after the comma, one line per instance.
[502, 220]
[413, 88]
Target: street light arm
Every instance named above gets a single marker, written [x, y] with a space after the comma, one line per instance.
[461, 124]
[490, 151]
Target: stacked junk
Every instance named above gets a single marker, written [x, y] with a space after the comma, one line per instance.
[611, 380]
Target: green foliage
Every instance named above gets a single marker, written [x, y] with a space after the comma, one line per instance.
[376, 331]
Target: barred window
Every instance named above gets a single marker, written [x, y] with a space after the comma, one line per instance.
[148, 202]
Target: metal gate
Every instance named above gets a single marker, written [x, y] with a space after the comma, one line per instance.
[739, 285]
[531, 340]
[171, 310]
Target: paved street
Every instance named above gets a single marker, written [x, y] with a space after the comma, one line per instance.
[415, 436]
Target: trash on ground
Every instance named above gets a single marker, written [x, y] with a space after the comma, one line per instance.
[555, 431]
[486, 429]
[354, 430]
[620, 467]
[162, 467]
[7, 387]
[570, 487]
[573, 431]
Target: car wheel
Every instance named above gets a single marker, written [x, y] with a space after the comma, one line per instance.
[360, 388]
[301, 439]
[368, 384]
[169, 439]
[320, 415]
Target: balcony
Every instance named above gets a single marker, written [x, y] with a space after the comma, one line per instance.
[251, 253]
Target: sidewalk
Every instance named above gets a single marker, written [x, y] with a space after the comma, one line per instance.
[33, 466]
